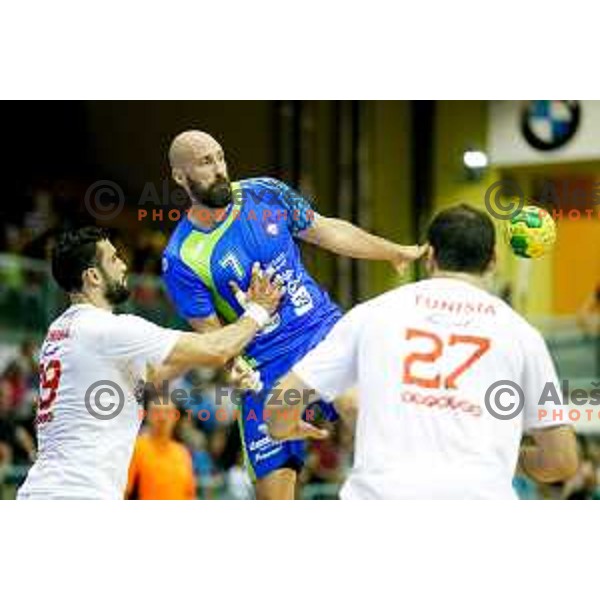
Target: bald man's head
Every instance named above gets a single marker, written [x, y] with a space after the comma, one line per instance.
[198, 165]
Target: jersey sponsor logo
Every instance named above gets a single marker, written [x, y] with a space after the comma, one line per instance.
[261, 444]
[445, 320]
[302, 301]
[272, 229]
[299, 296]
[263, 456]
[449, 402]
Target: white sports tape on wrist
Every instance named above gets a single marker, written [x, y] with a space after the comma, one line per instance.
[258, 313]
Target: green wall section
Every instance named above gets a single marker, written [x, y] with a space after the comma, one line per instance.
[388, 163]
[385, 164]
[322, 148]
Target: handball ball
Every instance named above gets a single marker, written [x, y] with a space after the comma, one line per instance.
[531, 232]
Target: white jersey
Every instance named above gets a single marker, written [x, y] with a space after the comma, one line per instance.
[423, 357]
[92, 363]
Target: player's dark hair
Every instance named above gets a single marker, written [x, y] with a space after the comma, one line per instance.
[463, 239]
[74, 252]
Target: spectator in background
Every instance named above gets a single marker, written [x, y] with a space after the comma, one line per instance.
[589, 320]
[207, 476]
[6, 435]
[525, 487]
[324, 462]
[16, 443]
[593, 453]
[583, 485]
[11, 267]
[589, 313]
[239, 484]
[199, 402]
[16, 384]
[161, 468]
[22, 377]
[28, 361]
[217, 447]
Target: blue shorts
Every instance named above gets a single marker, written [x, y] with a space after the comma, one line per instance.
[262, 454]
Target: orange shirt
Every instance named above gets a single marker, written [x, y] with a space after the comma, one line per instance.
[161, 471]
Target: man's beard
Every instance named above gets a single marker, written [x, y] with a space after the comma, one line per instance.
[218, 195]
[116, 292]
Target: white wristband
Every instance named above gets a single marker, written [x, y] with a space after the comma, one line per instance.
[241, 298]
[258, 313]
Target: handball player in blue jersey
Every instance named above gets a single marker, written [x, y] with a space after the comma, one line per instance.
[210, 255]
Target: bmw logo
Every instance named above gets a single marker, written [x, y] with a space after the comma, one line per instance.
[550, 124]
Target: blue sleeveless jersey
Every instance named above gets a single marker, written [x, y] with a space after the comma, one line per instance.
[258, 226]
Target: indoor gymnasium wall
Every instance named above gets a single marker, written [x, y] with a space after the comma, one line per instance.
[318, 181]
[577, 264]
[131, 138]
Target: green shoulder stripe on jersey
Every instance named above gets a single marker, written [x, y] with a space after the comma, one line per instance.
[196, 253]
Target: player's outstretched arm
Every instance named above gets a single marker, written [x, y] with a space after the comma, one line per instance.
[346, 239]
[238, 373]
[216, 348]
[553, 456]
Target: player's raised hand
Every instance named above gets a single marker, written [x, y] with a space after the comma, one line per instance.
[262, 290]
[405, 255]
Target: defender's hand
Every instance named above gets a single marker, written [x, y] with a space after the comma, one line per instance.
[241, 376]
[262, 289]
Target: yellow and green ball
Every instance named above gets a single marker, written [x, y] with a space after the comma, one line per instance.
[531, 232]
